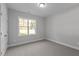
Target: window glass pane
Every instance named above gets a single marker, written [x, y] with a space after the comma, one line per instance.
[22, 33]
[23, 29]
[20, 22]
[27, 27]
[32, 27]
[25, 22]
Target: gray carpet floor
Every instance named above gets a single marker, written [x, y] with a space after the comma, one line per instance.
[41, 48]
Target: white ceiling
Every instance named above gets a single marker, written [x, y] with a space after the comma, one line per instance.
[50, 9]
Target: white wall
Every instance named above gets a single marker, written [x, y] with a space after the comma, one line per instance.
[4, 28]
[14, 38]
[64, 28]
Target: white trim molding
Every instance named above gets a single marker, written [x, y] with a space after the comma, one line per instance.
[12, 45]
[67, 45]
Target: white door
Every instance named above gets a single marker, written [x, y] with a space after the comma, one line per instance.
[3, 32]
[0, 29]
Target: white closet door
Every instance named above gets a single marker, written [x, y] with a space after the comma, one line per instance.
[4, 34]
[0, 29]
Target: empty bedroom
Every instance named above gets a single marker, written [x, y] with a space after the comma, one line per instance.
[39, 29]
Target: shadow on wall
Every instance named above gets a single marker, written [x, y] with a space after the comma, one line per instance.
[65, 27]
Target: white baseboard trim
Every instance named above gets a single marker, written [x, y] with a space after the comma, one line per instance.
[61, 43]
[24, 43]
[67, 45]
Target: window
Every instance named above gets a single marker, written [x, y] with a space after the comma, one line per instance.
[32, 27]
[27, 27]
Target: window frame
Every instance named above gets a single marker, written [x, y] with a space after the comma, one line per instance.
[28, 31]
